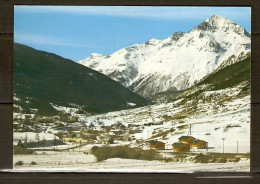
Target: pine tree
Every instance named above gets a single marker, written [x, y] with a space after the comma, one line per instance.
[44, 141]
[37, 139]
[54, 140]
[27, 121]
[25, 141]
[20, 143]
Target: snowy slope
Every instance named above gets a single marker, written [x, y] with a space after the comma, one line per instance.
[177, 62]
[213, 116]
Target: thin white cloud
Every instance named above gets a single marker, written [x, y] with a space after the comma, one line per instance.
[148, 12]
[45, 40]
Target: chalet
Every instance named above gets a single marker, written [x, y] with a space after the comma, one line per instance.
[92, 131]
[134, 131]
[65, 135]
[119, 137]
[122, 137]
[78, 135]
[156, 144]
[89, 136]
[118, 125]
[45, 120]
[181, 147]
[72, 135]
[186, 139]
[106, 128]
[199, 143]
[105, 140]
[132, 137]
[73, 119]
[133, 125]
[117, 132]
[51, 125]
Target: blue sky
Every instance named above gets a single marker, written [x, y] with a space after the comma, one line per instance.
[74, 32]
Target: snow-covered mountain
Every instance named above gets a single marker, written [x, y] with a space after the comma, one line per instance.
[179, 61]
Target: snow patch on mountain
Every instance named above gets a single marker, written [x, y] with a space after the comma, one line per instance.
[130, 104]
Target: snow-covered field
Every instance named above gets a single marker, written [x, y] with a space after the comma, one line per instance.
[78, 161]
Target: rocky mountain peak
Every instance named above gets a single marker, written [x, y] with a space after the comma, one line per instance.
[176, 36]
[216, 22]
[217, 18]
[176, 62]
[212, 23]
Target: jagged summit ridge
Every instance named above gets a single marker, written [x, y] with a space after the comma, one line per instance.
[216, 22]
[179, 61]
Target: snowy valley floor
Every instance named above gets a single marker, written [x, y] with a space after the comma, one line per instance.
[77, 161]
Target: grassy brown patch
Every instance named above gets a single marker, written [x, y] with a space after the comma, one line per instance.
[103, 153]
[19, 150]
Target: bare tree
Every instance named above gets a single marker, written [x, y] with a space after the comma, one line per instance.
[223, 143]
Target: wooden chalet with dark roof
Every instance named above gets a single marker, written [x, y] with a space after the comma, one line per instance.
[156, 144]
[181, 147]
[199, 143]
[186, 139]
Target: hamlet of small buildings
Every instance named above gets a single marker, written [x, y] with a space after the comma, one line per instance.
[75, 130]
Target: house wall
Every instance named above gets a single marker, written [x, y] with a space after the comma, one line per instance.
[184, 148]
[202, 144]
